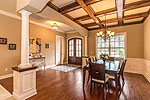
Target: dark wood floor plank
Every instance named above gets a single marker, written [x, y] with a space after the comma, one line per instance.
[56, 85]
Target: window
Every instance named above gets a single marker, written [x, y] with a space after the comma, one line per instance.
[115, 46]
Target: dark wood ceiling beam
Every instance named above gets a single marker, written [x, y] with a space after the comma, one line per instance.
[73, 6]
[51, 5]
[131, 23]
[107, 21]
[143, 20]
[120, 7]
[126, 7]
[90, 12]
[139, 15]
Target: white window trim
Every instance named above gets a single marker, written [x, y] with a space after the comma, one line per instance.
[122, 33]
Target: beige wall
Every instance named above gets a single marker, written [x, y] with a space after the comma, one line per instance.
[10, 28]
[134, 40]
[47, 36]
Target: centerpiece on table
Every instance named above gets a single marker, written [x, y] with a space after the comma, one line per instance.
[104, 57]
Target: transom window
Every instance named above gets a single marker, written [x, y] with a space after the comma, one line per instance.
[115, 46]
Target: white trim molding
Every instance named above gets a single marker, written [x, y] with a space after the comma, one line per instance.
[6, 76]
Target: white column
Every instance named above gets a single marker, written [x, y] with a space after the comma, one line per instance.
[85, 38]
[24, 82]
[25, 40]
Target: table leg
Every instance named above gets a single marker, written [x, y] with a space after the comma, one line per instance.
[116, 83]
[84, 73]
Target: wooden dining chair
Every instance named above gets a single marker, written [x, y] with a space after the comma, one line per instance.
[111, 59]
[98, 75]
[88, 61]
[120, 73]
[122, 69]
[94, 59]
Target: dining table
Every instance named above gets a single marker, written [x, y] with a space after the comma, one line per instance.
[111, 67]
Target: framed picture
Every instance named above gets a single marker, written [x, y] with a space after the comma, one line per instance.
[12, 46]
[3, 40]
[46, 45]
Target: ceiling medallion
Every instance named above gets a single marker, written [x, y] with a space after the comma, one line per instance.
[105, 33]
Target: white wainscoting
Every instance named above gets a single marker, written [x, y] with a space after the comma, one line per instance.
[134, 65]
[146, 69]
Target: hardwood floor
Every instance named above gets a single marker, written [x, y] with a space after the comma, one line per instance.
[56, 85]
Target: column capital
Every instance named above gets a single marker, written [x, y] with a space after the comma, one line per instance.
[24, 12]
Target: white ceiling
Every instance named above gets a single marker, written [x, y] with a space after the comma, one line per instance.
[61, 3]
[61, 26]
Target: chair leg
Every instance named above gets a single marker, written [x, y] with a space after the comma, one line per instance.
[104, 92]
[91, 88]
[122, 78]
[88, 78]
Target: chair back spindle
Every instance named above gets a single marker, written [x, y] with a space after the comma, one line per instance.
[97, 71]
[94, 59]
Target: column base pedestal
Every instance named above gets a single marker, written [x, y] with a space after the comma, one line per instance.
[24, 82]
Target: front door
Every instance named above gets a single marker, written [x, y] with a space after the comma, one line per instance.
[75, 51]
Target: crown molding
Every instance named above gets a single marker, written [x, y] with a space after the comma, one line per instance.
[2, 12]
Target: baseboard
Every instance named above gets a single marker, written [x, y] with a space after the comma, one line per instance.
[50, 66]
[134, 71]
[6, 76]
[146, 76]
[25, 95]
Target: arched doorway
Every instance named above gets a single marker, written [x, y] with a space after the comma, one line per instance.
[75, 51]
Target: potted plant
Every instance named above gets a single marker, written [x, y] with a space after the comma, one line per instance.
[104, 57]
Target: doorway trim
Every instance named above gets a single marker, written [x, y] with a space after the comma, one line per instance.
[71, 38]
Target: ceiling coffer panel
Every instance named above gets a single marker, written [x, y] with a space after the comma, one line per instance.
[77, 13]
[138, 10]
[131, 1]
[133, 20]
[103, 5]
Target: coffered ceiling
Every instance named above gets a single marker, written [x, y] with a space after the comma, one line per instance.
[90, 14]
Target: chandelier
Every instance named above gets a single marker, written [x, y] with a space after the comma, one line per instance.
[55, 27]
[105, 34]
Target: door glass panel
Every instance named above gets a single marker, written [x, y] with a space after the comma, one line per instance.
[78, 48]
[71, 47]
